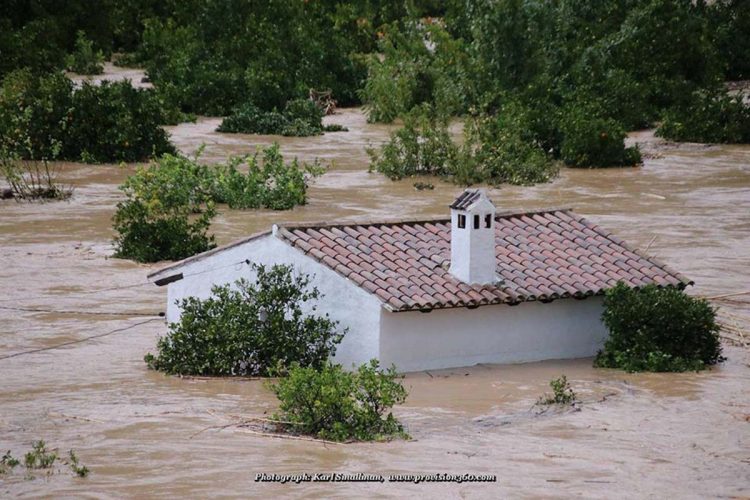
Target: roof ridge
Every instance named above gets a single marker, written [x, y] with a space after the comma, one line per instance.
[395, 221]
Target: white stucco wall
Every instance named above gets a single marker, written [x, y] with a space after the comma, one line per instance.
[532, 331]
[344, 301]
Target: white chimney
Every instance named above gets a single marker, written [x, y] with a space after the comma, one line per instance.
[473, 238]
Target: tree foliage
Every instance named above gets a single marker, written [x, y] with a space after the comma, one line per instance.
[658, 329]
[708, 117]
[300, 118]
[166, 213]
[494, 151]
[45, 117]
[259, 327]
[169, 204]
[270, 182]
[331, 403]
[85, 60]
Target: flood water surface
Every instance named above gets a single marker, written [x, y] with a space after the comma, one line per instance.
[144, 434]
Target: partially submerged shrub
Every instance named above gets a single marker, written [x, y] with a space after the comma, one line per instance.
[35, 114]
[170, 203]
[422, 147]
[78, 469]
[334, 127]
[33, 180]
[166, 213]
[562, 393]
[256, 327]
[270, 183]
[658, 329]
[495, 151]
[113, 121]
[708, 117]
[301, 118]
[8, 462]
[85, 60]
[39, 457]
[44, 117]
[250, 119]
[331, 403]
[592, 141]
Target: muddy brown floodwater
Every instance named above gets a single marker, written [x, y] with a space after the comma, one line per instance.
[660, 435]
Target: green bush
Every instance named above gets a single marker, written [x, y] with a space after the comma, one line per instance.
[218, 57]
[114, 121]
[417, 63]
[562, 393]
[331, 403]
[270, 183]
[85, 60]
[730, 25]
[500, 149]
[249, 119]
[708, 117]
[170, 203]
[422, 147]
[658, 329]
[39, 457]
[301, 118]
[35, 114]
[166, 213]
[33, 180]
[591, 141]
[257, 327]
[493, 152]
[44, 117]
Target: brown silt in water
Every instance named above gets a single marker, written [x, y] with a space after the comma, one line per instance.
[666, 435]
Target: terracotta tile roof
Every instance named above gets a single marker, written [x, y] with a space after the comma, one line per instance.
[466, 199]
[544, 255]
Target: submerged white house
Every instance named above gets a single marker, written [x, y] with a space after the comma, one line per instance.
[480, 287]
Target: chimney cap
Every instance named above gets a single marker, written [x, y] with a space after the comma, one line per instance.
[468, 199]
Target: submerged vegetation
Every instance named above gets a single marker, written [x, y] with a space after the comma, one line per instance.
[249, 328]
[44, 117]
[331, 403]
[658, 329]
[562, 393]
[301, 118]
[557, 81]
[32, 180]
[169, 204]
[42, 458]
[8, 462]
[165, 214]
[708, 117]
[493, 151]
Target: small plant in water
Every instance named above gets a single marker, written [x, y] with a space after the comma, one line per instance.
[32, 180]
[39, 457]
[562, 393]
[75, 466]
[8, 462]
